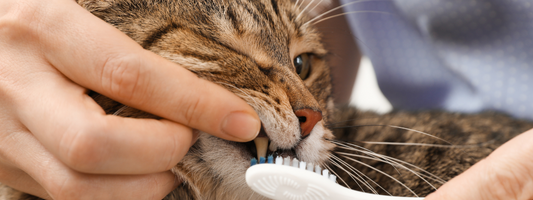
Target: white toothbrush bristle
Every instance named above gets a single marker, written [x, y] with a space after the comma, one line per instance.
[302, 165]
[279, 160]
[295, 163]
[333, 178]
[325, 173]
[318, 170]
[287, 161]
[310, 167]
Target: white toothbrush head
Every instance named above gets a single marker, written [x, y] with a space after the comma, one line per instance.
[293, 180]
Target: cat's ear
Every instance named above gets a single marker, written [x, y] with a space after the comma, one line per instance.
[319, 6]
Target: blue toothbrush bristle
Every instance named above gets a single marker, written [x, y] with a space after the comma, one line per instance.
[262, 160]
[270, 159]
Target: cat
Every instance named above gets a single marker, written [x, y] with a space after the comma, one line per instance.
[269, 53]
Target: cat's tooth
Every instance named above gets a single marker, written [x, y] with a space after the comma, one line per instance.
[261, 144]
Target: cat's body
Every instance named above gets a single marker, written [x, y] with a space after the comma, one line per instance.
[250, 47]
[463, 140]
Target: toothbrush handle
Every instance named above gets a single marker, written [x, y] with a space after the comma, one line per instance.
[281, 182]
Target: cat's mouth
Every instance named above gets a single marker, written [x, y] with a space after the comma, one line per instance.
[261, 147]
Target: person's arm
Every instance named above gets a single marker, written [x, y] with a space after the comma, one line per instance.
[56, 142]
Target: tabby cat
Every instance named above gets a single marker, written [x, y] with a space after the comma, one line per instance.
[269, 53]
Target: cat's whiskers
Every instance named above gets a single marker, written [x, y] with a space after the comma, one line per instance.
[303, 10]
[337, 8]
[381, 172]
[299, 5]
[397, 127]
[352, 12]
[396, 162]
[357, 148]
[423, 174]
[421, 144]
[428, 175]
[355, 179]
[116, 113]
[350, 120]
[366, 150]
[361, 173]
[351, 172]
[314, 7]
[389, 160]
[335, 173]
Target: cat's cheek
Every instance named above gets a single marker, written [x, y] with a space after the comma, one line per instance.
[315, 148]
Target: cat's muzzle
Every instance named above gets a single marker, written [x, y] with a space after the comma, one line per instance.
[260, 147]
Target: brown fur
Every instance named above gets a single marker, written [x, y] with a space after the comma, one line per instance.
[472, 137]
[248, 47]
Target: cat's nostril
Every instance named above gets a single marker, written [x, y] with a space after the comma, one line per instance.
[308, 119]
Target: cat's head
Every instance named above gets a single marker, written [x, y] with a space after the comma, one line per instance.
[264, 51]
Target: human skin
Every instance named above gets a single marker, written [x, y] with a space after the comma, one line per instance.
[57, 143]
[507, 173]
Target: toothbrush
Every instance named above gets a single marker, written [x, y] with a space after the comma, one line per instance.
[294, 180]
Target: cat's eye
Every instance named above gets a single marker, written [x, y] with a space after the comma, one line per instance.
[302, 63]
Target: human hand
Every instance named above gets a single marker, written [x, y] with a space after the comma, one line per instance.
[507, 173]
[56, 142]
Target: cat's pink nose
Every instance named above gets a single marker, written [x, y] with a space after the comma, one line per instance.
[308, 119]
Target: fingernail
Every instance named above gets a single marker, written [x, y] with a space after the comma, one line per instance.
[241, 125]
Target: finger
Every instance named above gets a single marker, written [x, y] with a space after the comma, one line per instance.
[20, 181]
[506, 174]
[75, 129]
[60, 182]
[119, 68]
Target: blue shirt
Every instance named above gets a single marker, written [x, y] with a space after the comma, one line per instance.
[458, 55]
